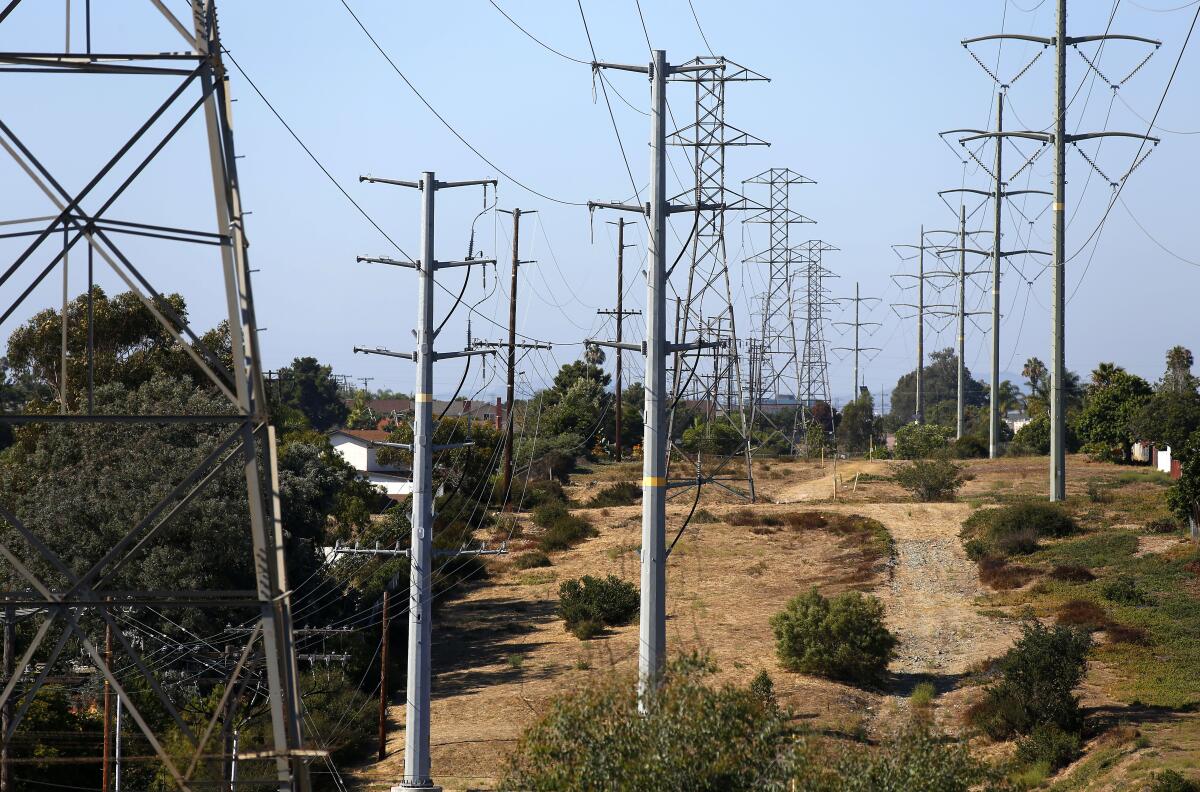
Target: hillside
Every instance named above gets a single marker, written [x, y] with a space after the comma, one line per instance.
[501, 654]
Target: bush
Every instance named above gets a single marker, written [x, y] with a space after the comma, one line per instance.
[916, 760]
[531, 560]
[1014, 529]
[563, 530]
[1124, 590]
[692, 736]
[1172, 781]
[923, 695]
[920, 441]
[541, 493]
[1049, 745]
[841, 638]
[931, 479]
[589, 604]
[971, 447]
[623, 493]
[999, 574]
[1072, 573]
[1038, 676]
[762, 687]
[1083, 614]
[1097, 492]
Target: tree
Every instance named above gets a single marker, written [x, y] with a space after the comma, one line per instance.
[1167, 419]
[1035, 373]
[1009, 397]
[1178, 376]
[130, 346]
[940, 385]
[1104, 374]
[1107, 414]
[1184, 496]
[857, 425]
[309, 387]
[361, 415]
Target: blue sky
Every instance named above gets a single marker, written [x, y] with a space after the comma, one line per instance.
[857, 95]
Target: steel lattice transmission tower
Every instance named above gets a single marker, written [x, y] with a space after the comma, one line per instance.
[706, 310]
[776, 354]
[814, 360]
[63, 607]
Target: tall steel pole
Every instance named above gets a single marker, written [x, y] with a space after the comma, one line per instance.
[962, 319]
[512, 358]
[921, 328]
[994, 404]
[106, 750]
[1058, 459]
[653, 625]
[620, 317]
[420, 616]
[854, 391]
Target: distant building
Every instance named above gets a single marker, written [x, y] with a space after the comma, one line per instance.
[1017, 420]
[358, 447]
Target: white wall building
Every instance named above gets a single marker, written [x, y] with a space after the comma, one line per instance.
[358, 447]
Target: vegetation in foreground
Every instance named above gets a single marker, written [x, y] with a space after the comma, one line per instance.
[698, 736]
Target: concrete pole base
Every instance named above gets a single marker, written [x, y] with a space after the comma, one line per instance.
[422, 788]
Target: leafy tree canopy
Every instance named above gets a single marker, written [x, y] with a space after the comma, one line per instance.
[940, 384]
[309, 387]
[1109, 409]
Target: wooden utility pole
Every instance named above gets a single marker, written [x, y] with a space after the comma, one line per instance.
[510, 385]
[383, 681]
[620, 314]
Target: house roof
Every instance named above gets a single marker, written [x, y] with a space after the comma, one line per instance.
[366, 435]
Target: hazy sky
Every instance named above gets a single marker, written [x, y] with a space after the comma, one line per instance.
[857, 95]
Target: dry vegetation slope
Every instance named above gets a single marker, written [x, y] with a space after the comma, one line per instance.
[501, 655]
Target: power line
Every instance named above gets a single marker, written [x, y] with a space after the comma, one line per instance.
[446, 123]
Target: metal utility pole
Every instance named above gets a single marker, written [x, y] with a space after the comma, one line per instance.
[619, 314]
[420, 612]
[998, 205]
[653, 624]
[920, 309]
[117, 751]
[857, 324]
[383, 677]
[1060, 138]
[200, 99]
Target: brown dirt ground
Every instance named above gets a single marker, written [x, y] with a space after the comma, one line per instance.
[501, 654]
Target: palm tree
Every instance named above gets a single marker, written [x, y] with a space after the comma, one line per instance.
[1008, 397]
[1035, 374]
[1103, 374]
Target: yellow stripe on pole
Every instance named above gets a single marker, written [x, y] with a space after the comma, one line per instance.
[654, 481]
[424, 397]
[1058, 207]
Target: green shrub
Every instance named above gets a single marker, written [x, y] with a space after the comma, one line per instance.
[531, 560]
[970, 447]
[1172, 781]
[1037, 680]
[563, 530]
[1123, 590]
[916, 760]
[931, 479]
[841, 638]
[923, 695]
[1046, 519]
[692, 736]
[623, 493]
[540, 493]
[1072, 573]
[1019, 542]
[588, 604]
[762, 687]
[920, 441]
[1048, 744]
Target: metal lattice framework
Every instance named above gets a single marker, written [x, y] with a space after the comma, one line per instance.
[814, 360]
[777, 355]
[60, 608]
[706, 308]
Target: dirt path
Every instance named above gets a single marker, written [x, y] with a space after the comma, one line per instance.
[930, 599]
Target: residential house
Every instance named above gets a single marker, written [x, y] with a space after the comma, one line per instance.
[359, 447]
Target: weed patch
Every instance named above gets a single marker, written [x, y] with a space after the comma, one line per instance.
[623, 493]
